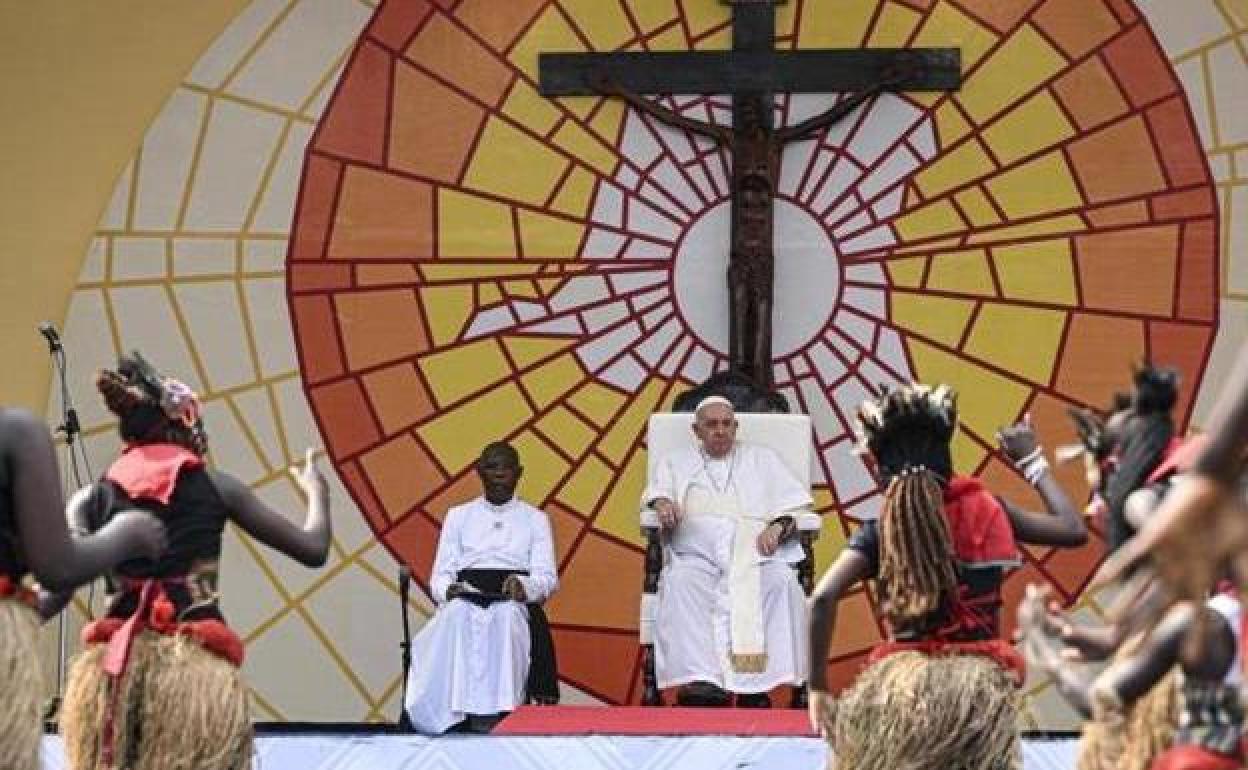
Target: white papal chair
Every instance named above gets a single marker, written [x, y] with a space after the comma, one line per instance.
[790, 436]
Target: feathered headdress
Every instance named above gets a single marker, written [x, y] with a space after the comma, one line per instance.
[152, 407]
[909, 427]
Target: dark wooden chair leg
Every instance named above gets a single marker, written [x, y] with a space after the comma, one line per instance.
[806, 577]
[650, 695]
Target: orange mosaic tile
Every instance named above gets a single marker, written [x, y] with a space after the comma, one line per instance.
[398, 396]
[856, 626]
[1198, 272]
[356, 129]
[1186, 204]
[842, 673]
[380, 326]
[425, 142]
[1012, 594]
[415, 542]
[1140, 67]
[346, 422]
[1125, 10]
[1130, 270]
[1072, 568]
[1076, 26]
[604, 664]
[498, 24]
[1089, 94]
[1099, 353]
[402, 473]
[1055, 428]
[385, 274]
[382, 215]
[600, 562]
[564, 528]
[363, 495]
[1184, 347]
[1118, 214]
[318, 276]
[1001, 15]
[445, 49]
[319, 354]
[395, 23]
[1117, 162]
[1178, 144]
[321, 176]
[463, 489]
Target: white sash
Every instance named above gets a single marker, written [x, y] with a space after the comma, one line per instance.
[747, 649]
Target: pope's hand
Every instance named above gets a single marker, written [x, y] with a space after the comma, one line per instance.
[769, 540]
[669, 512]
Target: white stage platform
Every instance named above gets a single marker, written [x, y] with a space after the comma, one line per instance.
[347, 751]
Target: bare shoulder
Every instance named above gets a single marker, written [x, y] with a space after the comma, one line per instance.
[21, 422]
[228, 486]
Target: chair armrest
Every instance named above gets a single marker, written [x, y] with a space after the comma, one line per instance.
[649, 518]
[810, 522]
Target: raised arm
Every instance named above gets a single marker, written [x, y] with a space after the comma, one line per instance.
[1062, 525]
[663, 114]
[308, 543]
[61, 562]
[850, 567]
[807, 128]
[1201, 526]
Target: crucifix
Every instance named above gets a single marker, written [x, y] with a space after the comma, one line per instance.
[751, 73]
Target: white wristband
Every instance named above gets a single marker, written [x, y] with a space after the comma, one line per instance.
[1035, 470]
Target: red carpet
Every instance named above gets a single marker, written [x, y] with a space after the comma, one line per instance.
[634, 720]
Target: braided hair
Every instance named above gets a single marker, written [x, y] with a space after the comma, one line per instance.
[152, 409]
[908, 432]
[1142, 444]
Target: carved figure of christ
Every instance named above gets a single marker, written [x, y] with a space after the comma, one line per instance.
[751, 72]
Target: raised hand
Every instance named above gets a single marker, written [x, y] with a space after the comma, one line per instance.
[1034, 626]
[309, 476]
[1198, 533]
[1018, 441]
[668, 511]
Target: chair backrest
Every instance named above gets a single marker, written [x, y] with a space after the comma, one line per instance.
[788, 434]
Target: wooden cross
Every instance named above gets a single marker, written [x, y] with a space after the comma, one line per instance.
[751, 73]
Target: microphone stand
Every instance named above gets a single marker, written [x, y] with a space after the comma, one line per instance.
[405, 585]
[71, 429]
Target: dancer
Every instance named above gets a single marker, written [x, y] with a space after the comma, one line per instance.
[1160, 704]
[1200, 530]
[158, 685]
[35, 541]
[488, 647]
[940, 693]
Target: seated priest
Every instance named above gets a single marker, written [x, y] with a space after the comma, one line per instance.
[731, 615]
[488, 647]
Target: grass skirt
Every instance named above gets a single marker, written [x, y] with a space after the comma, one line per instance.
[912, 711]
[180, 707]
[1132, 740]
[21, 688]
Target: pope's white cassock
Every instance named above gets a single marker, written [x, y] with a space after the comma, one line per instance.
[727, 614]
[469, 659]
